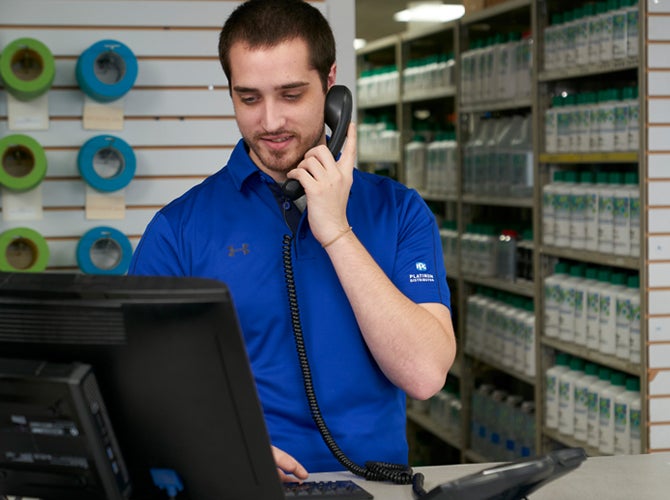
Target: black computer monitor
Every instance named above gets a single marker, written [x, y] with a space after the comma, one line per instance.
[168, 360]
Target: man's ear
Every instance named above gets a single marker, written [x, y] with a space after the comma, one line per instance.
[331, 75]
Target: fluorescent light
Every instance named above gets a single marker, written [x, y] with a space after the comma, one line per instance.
[359, 43]
[430, 13]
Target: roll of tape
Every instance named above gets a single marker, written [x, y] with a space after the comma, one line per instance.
[23, 163]
[107, 163]
[23, 250]
[104, 250]
[27, 68]
[106, 71]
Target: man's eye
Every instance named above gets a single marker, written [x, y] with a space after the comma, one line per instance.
[248, 99]
[291, 97]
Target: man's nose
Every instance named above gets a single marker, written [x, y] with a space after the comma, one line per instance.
[273, 116]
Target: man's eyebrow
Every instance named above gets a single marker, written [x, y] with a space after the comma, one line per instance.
[288, 86]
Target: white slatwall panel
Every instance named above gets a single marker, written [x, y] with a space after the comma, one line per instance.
[178, 116]
[658, 200]
[146, 103]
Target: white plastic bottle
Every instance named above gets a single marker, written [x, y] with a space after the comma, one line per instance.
[631, 96]
[581, 397]
[469, 151]
[565, 124]
[475, 323]
[552, 376]
[553, 290]
[595, 278]
[608, 298]
[580, 312]
[550, 43]
[606, 412]
[632, 33]
[415, 152]
[595, 30]
[512, 326]
[529, 338]
[578, 194]
[622, 427]
[635, 420]
[619, 31]
[582, 34]
[593, 421]
[607, 101]
[606, 194]
[500, 178]
[570, 19]
[566, 312]
[631, 180]
[566, 398]
[622, 218]
[521, 160]
[562, 209]
[551, 125]
[634, 350]
[606, 32]
[621, 119]
[592, 206]
[483, 144]
[488, 241]
[451, 179]
[549, 192]
[624, 305]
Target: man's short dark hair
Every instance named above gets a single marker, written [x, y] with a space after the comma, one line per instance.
[267, 23]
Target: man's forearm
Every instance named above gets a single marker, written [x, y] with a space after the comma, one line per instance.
[413, 343]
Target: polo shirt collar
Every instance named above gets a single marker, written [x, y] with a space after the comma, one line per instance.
[240, 165]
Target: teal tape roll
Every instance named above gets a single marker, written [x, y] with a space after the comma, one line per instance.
[106, 71]
[104, 250]
[107, 163]
[23, 250]
[27, 68]
[23, 163]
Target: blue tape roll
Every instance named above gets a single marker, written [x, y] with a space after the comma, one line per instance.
[107, 163]
[106, 71]
[104, 250]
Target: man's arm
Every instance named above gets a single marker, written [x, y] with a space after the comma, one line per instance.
[414, 344]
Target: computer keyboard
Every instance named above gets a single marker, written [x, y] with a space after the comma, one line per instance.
[333, 490]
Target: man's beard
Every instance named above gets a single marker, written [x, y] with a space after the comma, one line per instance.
[280, 161]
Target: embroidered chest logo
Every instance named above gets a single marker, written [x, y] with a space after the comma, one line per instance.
[244, 250]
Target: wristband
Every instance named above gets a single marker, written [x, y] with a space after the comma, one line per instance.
[337, 237]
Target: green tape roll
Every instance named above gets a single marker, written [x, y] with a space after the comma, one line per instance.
[23, 163]
[23, 250]
[27, 68]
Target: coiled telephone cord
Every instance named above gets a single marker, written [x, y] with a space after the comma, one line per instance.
[373, 471]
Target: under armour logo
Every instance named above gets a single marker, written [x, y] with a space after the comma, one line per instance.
[244, 249]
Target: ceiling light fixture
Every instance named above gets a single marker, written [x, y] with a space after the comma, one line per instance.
[438, 13]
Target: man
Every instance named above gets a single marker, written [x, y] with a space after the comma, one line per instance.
[365, 255]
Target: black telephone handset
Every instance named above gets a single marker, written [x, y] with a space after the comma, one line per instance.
[339, 104]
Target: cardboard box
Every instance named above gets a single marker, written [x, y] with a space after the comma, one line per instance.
[473, 5]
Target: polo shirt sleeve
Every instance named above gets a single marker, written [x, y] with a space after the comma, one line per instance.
[157, 252]
[419, 268]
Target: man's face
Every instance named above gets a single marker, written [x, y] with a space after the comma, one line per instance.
[279, 102]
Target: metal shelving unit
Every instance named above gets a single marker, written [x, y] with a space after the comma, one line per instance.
[531, 16]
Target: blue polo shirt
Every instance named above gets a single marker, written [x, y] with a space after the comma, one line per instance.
[231, 228]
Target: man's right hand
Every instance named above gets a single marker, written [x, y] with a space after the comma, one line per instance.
[289, 469]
